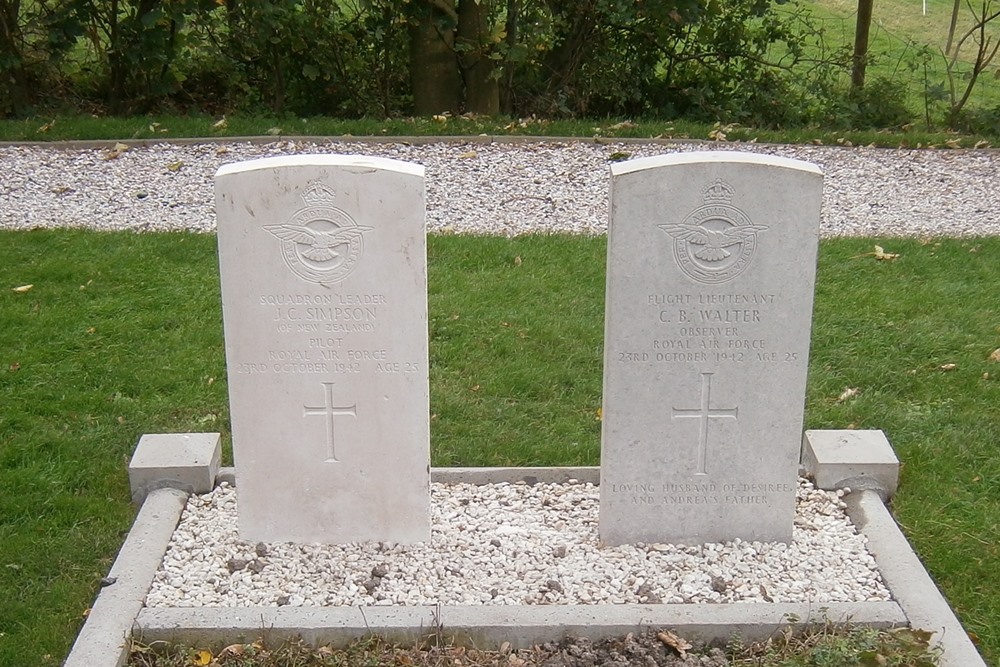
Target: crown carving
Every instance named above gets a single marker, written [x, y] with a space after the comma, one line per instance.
[719, 192]
[318, 194]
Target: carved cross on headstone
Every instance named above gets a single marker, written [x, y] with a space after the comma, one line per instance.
[703, 413]
[329, 410]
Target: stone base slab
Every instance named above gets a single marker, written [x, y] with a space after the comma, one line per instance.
[118, 611]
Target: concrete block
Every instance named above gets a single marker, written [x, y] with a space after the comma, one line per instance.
[850, 458]
[185, 461]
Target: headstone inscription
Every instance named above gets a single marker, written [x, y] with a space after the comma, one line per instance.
[324, 296]
[711, 269]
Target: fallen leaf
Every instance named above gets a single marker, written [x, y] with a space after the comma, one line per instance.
[274, 131]
[14, 367]
[121, 420]
[116, 151]
[48, 126]
[882, 255]
[848, 393]
[986, 376]
[22, 288]
[475, 387]
[982, 144]
[674, 642]
[953, 143]
[470, 154]
[220, 124]
[175, 166]
[91, 330]
[439, 118]
[517, 261]
[232, 649]
[948, 367]
[221, 150]
[995, 355]
[599, 414]
[201, 658]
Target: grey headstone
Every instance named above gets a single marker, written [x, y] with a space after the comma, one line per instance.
[711, 269]
[324, 291]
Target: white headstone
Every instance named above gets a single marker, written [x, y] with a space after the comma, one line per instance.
[324, 294]
[711, 268]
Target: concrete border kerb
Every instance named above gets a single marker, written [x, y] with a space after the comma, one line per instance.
[86, 144]
[119, 611]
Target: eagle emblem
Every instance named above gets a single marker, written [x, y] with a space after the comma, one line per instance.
[716, 241]
[320, 243]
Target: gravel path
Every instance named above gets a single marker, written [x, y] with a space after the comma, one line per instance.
[495, 188]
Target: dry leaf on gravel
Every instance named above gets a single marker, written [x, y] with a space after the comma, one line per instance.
[116, 152]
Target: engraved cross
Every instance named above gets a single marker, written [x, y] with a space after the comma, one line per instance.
[704, 413]
[329, 410]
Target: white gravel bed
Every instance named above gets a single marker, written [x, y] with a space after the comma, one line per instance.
[498, 188]
[513, 544]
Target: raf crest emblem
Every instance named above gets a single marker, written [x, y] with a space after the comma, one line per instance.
[320, 243]
[716, 241]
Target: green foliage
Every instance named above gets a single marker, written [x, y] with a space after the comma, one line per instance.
[34, 36]
[881, 104]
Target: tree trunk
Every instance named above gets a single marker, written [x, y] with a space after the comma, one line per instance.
[434, 73]
[860, 60]
[482, 86]
[951, 27]
[563, 60]
[513, 19]
[15, 87]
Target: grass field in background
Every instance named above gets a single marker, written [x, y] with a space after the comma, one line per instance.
[121, 335]
[899, 30]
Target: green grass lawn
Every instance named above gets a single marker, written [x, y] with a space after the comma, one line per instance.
[120, 335]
